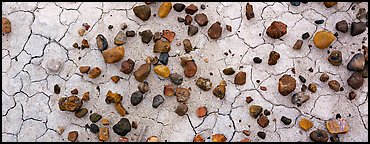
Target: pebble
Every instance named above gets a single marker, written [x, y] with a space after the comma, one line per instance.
[101, 42]
[201, 112]
[95, 117]
[86, 96]
[255, 110]
[190, 69]
[319, 136]
[295, 3]
[5, 25]
[181, 109]
[198, 138]
[342, 26]
[285, 120]
[201, 19]
[188, 20]
[176, 78]
[157, 36]
[134, 125]
[356, 80]
[204, 83]
[84, 69]
[146, 36]
[81, 32]
[305, 124]
[168, 35]
[143, 12]
[143, 87]
[334, 138]
[202, 6]
[240, 78]
[161, 46]
[335, 58]
[218, 138]
[105, 121]
[74, 91]
[298, 45]
[130, 33]
[220, 90]
[54, 65]
[261, 134]
[249, 11]
[324, 77]
[228, 71]
[337, 126]
[122, 127]
[312, 87]
[287, 84]
[187, 45]
[257, 60]
[228, 28]
[56, 89]
[179, 7]
[248, 99]
[180, 19]
[357, 63]
[157, 100]
[164, 9]
[299, 98]
[110, 27]
[263, 88]
[263, 121]
[334, 84]
[358, 28]
[215, 31]
[361, 13]
[304, 88]
[123, 139]
[352, 95]
[86, 26]
[302, 79]
[152, 139]
[305, 36]
[120, 38]
[162, 71]
[246, 132]
[75, 45]
[192, 30]
[85, 44]
[276, 30]
[191, 9]
[113, 97]
[319, 21]
[114, 54]
[245, 140]
[163, 58]
[94, 128]
[142, 72]
[120, 109]
[323, 39]
[136, 98]
[330, 4]
[123, 26]
[182, 94]
[72, 136]
[81, 112]
[266, 112]
[273, 58]
[127, 66]
[71, 103]
[169, 90]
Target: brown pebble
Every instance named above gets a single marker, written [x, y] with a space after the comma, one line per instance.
[142, 72]
[228, 28]
[304, 88]
[245, 140]
[263, 88]
[201, 112]
[134, 124]
[266, 112]
[127, 66]
[104, 134]
[276, 30]
[190, 69]
[86, 96]
[263, 121]
[334, 84]
[198, 138]
[324, 77]
[273, 58]
[187, 45]
[191, 9]
[247, 132]
[240, 78]
[356, 80]
[286, 85]
[352, 95]
[120, 109]
[312, 87]
[182, 94]
[94, 73]
[74, 91]
[215, 31]
[201, 19]
[5, 25]
[169, 35]
[248, 99]
[169, 90]
[85, 44]
[115, 79]
[188, 20]
[249, 11]
[181, 109]
[72, 136]
[84, 69]
[298, 45]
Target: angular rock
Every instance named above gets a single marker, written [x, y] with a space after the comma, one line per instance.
[169, 90]
[305, 36]
[342, 26]
[323, 39]
[228, 28]
[334, 85]
[255, 110]
[181, 109]
[337, 126]
[191, 9]
[192, 30]
[143, 87]
[361, 13]
[157, 100]
[176, 78]
[143, 12]
[273, 58]
[305, 124]
[94, 73]
[240, 78]
[356, 80]
[286, 85]
[261, 134]
[142, 72]
[358, 28]
[120, 38]
[162, 71]
[157, 36]
[86, 96]
[163, 58]
[312, 87]
[114, 54]
[357, 63]
[204, 83]
[215, 31]
[220, 90]
[324, 77]
[298, 45]
[104, 134]
[201, 112]
[85, 44]
[201, 19]
[188, 20]
[218, 138]
[335, 58]
[249, 11]
[299, 98]
[276, 30]
[105, 121]
[161, 46]
[113, 97]
[182, 94]
[71, 103]
[72, 136]
[248, 99]
[164, 9]
[136, 98]
[198, 138]
[168, 35]
[56, 89]
[352, 95]
[122, 127]
[127, 66]
[146, 36]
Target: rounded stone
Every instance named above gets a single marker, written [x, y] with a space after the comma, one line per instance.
[192, 30]
[201, 112]
[157, 100]
[146, 36]
[357, 63]
[334, 85]
[257, 60]
[84, 69]
[56, 89]
[181, 109]
[6, 25]
[276, 30]
[187, 45]
[164, 9]
[358, 28]
[178, 7]
[94, 128]
[299, 98]
[220, 90]
[255, 110]
[319, 21]
[263, 121]
[162, 71]
[324, 77]
[240, 78]
[127, 66]
[215, 31]
[228, 71]
[273, 58]
[352, 95]
[201, 19]
[295, 3]
[356, 80]
[198, 138]
[218, 138]
[298, 45]
[95, 117]
[122, 127]
[190, 69]
[312, 87]
[130, 33]
[261, 134]
[163, 58]
[285, 120]
[319, 136]
[81, 112]
[143, 87]
[72, 136]
[176, 78]
[342, 26]
[142, 72]
[305, 36]
[143, 12]
[161, 46]
[323, 39]
[94, 73]
[182, 94]
[71, 103]
[136, 98]
[286, 85]
[188, 20]
[335, 58]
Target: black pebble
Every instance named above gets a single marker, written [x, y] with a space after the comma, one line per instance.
[319, 21]
[56, 89]
[163, 58]
[338, 116]
[202, 6]
[180, 19]
[311, 69]
[305, 35]
[94, 128]
[136, 98]
[130, 33]
[257, 60]
[295, 3]
[178, 7]
[302, 79]
[261, 134]
[110, 27]
[157, 100]
[285, 120]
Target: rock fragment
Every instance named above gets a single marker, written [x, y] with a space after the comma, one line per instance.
[84, 69]
[191, 9]
[130, 33]
[187, 45]
[192, 30]
[357, 63]
[286, 85]
[285, 120]
[198, 138]
[161, 46]
[299, 98]
[201, 111]
[261, 134]
[120, 109]
[335, 58]
[181, 109]
[143, 87]
[127, 66]
[358, 28]
[356, 80]
[319, 136]
[122, 127]
[81, 112]
[5, 25]
[220, 90]
[136, 98]
[72, 136]
[56, 89]
[334, 85]
[276, 30]
[157, 100]
[162, 71]
[215, 31]
[255, 110]
[164, 9]
[263, 121]
[249, 11]
[330, 4]
[188, 20]
[342, 26]
[71, 103]
[176, 78]
[312, 87]
[142, 72]
[218, 138]
[305, 124]
[104, 134]
[240, 78]
[113, 97]
[190, 68]
[273, 58]
[85, 44]
[337, 126]
[120, 38]
[178, 7]
[298, 45]
[146, 36]
[323, 39]
[143, 12]
[95, 117]
[204, 83]
[324, 77]
[201, 19]
[168, 35]
[182, 94]
[228, 71]
[169, 90]
[114, 54]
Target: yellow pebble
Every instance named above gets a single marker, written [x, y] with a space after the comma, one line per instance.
[305, 124]
[105, 121]
[162, 71]
[164, 9]
[323, 39]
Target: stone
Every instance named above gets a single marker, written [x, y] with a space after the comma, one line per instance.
[334, 85]
[187, 45]
[246, 140]
[143, 12]
[306, 35]
[115, 79]
[263, 121]
[240, 78]
[312, 87]
[142, 72]
[180, 19]
[81, 112]
[86, 26]
[257, 60]
[84, 69]
[319, 136]
[357, 62]
[356, 80]
[130, 33]
[204, 83]
[285, 120]
[330, 4]
[215, 31]
[201, 19]
[161, 46]
[298, 45]
[305, 124]
[123, 139]
[324, 77]
[101, 42]
[198, 138]
[352, 95]
[191, 9]
[218, 138]
[120, 109]
[248, 99]
[286, 85]
[162, 71]
[276, 30]
[334, 138]
[157, 100]
[113, 97]
[114, 54]
[266, 112]
[319, 21]
[181, 109]
[136, 98]
[56, 89]
[201, 112]
[190, 69]
[255, 110]
[228, 71]
[192, 30]
[120, 38]
[163, 58]
[6, 26]
[94, 73]
[202, 6]
[261, 134]
[127, 66]
[228, 28]
[304, 88]
[105, 121]
[143, 87]
[361, 13]
[71, 103]
[299, 98]
[342, 26]
[176, 78]
[335, 58]
[104, 134]
[169, 90]
[81, 32]
[72, 136]
[85, 44]
[179, 7]
[86, 96]
[75, 45]
[302, 79]
[110, 27]
[152, 139]
[295, 3]
[54, 65]
[246, 132]
[182, 94]
[273, 58]
[358, 28]
[337, 126]
[94, 128]
[249, 11]
[123, 26]
[164, 9]
[157, 36]
[122, 127]
[168, 35]
[220, 90]
[323, 39]
[95, 117]
[146, 36]
[188, 20]
[134, 125]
